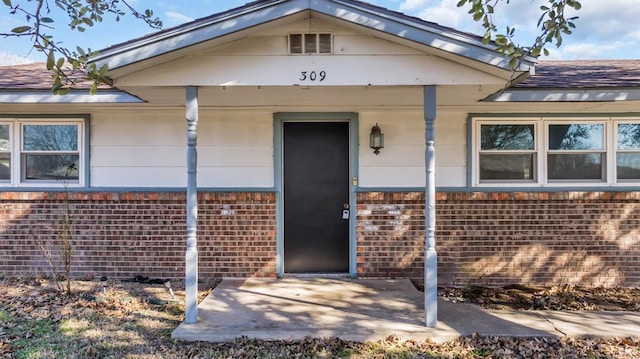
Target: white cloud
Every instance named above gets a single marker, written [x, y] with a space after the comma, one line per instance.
[605, 29]
[442, 12]
[410, 5]
[586, 51]
[176, 18]
[7, 58]
[608, 20]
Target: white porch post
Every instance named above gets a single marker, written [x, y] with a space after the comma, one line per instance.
[191, 259]
[430, 255]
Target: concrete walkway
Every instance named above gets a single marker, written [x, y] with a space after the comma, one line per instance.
[364, 310]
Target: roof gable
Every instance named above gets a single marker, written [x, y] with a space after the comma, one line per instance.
[263, 59]
[232, 24]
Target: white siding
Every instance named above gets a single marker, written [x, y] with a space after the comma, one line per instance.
[401, 162]
[148, 149]
[263, 60]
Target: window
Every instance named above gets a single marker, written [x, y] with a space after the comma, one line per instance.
[576, 152]
[37, 152]
[555, 152]
[628, 151]
[507, 152]
[310, 43]
[5, 152]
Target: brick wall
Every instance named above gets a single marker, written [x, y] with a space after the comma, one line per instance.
[482, 238]
[500, 238]
[125, 234]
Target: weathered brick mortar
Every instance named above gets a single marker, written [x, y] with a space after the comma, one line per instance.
[588, 238]
[125, 234]
[482, 238]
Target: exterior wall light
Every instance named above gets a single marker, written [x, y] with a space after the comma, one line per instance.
[376, 139]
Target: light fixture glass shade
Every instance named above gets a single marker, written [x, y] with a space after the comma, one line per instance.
[376, 139]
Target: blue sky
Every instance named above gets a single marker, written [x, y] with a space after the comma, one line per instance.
[606, 29]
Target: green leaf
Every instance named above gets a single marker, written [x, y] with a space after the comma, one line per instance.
[46, 20]
[94, 88]
[20, 29]
[60, 62]
[50, 60]
[501, 40]
[103, 70]
[62, 91]
[7, 2]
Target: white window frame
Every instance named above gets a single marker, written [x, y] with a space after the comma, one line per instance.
[4, 122]
[614, 153]
[604, 151]
[478, 150]
[16, 141]
[541, 133]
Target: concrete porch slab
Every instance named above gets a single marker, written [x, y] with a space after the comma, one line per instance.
[357, 310]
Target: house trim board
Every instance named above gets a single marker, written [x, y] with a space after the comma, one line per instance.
[102, 96]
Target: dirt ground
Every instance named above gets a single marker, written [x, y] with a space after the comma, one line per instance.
[115, 319]
[568, 298]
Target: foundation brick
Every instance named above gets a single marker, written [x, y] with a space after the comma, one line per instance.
[124, 234]
[545, 238]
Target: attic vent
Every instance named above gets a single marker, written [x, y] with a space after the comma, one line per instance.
[310, 43]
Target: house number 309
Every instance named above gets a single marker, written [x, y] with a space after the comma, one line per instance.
[313, 76]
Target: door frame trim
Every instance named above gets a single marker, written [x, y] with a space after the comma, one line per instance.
[354, 144]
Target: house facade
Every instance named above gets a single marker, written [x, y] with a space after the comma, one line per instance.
[535, 176]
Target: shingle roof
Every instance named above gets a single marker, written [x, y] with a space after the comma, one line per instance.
[34, 76]
[584, 74]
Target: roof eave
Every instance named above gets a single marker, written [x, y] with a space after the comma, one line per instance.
[606, 94]
[256, 14]
[73, 97]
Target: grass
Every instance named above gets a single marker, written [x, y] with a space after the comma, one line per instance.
[123, 322]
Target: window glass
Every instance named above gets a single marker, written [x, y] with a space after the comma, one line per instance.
[507, 137]
[575, 166]
[5, 166]
[5, 154]
[50, 137]
[576, 137]
[51, 167]
[5, 144]
[629, 136]
[507, 167]
[628, 166]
